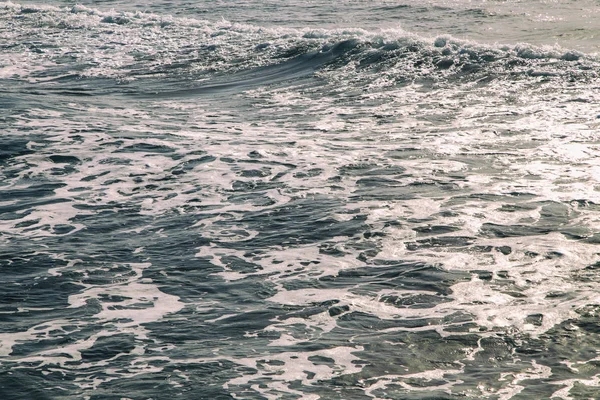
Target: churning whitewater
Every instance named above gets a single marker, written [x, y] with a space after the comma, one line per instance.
[290, 200]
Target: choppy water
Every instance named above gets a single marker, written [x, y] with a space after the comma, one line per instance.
[264, 200]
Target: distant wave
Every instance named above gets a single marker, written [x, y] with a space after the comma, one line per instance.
[215, 56]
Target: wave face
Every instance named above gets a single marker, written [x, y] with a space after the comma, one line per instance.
[287, 203]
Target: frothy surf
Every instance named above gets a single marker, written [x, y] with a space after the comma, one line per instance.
[198, 208]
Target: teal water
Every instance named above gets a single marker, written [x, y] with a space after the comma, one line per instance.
[264, 200]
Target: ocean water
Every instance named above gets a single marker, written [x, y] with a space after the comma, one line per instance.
[299, 199]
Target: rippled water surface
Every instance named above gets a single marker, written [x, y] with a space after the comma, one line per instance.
[299, 200]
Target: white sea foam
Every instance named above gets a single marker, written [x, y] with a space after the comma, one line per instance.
[492, 180]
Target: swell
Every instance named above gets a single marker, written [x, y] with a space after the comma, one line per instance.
[167, 56]
[296, 68]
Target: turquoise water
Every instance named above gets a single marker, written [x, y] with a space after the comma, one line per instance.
[265, 200]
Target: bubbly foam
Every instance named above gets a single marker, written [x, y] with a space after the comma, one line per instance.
[293, 204]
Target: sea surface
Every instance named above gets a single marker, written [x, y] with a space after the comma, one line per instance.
[299, 199]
